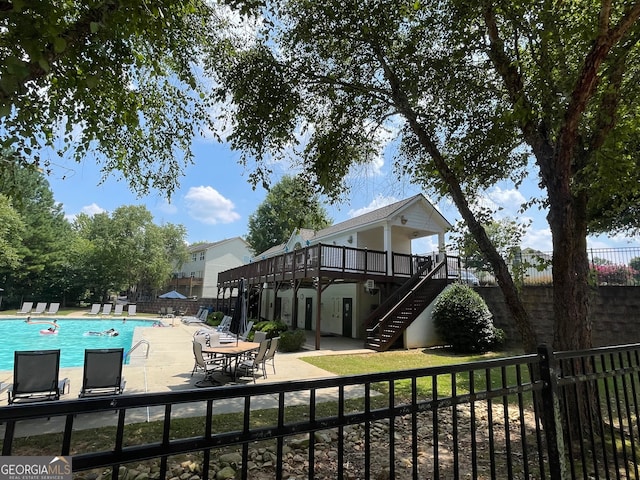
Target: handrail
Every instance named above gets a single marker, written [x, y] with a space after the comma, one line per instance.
[141, 342]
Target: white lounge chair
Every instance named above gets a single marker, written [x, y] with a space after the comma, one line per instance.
[40, 308]
[131, 310]
[26, 308]
[117, 310]
[53, 309]
[224, 324]
[106, 309]
[95, 309]
[227, 337]
[201, 319]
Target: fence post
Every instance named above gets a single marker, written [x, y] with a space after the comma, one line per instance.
[551, 416]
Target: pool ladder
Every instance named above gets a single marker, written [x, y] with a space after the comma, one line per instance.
[141, 342]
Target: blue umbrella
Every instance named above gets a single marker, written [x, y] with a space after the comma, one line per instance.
[172, 294]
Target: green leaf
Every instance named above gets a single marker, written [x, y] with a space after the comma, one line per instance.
[59, 44]
[94, 26]
[44, 65]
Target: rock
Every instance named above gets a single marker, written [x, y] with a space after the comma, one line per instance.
[226, 473]
[231, 458]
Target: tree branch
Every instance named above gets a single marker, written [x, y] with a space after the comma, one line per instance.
[588, 77]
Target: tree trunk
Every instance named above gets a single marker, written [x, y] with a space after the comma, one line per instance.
[571, 290]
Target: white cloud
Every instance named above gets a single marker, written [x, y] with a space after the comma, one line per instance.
[168, 208]
[206, 205]
[378, 202]
[92, 209]
[505, 202]
[538, 239]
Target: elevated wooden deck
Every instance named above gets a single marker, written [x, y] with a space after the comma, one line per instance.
[325, 262]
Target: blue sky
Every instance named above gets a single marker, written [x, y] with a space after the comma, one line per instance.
[215, 199]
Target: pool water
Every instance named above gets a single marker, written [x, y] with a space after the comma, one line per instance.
[71, 339]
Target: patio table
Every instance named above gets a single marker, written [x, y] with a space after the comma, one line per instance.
[232, 352]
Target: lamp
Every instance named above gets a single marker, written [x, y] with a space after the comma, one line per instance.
[403, 219]
[350, 239]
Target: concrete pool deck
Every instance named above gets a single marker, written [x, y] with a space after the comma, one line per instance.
[170, 362]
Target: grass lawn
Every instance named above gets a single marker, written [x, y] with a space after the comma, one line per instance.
[374, 362]
[395, 360]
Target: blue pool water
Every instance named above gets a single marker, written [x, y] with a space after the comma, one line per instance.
[71, 338]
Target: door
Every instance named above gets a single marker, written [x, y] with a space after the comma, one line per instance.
[347, 317]
[277, 313]
[308, 313]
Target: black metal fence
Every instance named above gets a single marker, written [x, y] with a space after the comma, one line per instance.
[564, 415]
[609, 266]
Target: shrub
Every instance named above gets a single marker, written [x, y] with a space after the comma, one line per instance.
[272, 328]
[462, 320]
[292, 340]
[214, 318]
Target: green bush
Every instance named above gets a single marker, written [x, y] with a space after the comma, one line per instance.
[272, 328]
[463, 321]
[292, 340]
[214, 318]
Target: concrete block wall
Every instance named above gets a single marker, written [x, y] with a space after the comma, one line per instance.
[615, 313]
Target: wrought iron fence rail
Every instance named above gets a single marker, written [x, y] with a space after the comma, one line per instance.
[496, 418]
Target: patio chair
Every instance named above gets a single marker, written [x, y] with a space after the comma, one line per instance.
[131, 310]
[117, 310]
[246, 332]
[226, 337]
[26, 308]
[53, 309]
[40, 308]
[102, 372]
[224, 324]
[36, 377]
[201, 319]
[209, 365]
[270, 356]
[95, 309]
[106, 309]
[259, 336]
[256, 364]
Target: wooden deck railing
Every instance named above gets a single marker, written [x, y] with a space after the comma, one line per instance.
[326, 260]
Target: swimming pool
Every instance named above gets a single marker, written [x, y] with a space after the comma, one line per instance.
[71, 339]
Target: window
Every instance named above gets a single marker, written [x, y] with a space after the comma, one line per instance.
[202, 255]
[194, 257]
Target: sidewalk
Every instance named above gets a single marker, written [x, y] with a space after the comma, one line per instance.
[168, 368]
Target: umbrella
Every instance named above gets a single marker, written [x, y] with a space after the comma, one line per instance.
[239, 317]
[172, 294]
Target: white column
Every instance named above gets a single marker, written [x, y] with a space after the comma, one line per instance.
[388, 246]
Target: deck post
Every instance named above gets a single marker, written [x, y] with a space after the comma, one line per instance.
[318, 312]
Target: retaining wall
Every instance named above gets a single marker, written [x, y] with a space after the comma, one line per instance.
[615, 313]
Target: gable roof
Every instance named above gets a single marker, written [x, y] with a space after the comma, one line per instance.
[371, 217]
[377, 215]
[206, 246]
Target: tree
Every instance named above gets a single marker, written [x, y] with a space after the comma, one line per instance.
[127, 251]
[290, 204]
[44, 241]
[119, 77]
[11, 231]
[478, 92]
[505, 235]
